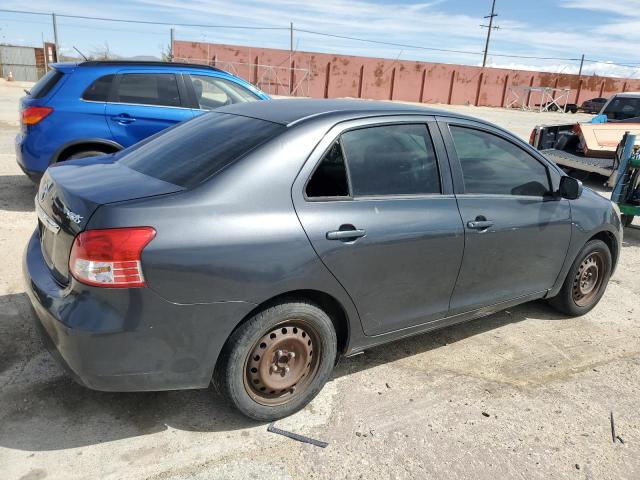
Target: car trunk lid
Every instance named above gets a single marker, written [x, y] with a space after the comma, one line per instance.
[70, 193]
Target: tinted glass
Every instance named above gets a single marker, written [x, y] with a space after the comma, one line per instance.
[45, 84]
[391, 160]
[148, 89]
[622, 108]
[212, 92]
[193, 151]
[98, 91]
[493, 165]
[330, 177]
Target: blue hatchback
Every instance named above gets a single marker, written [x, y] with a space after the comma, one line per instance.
[79, 110]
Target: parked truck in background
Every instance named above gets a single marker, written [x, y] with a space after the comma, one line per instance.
[591, 147]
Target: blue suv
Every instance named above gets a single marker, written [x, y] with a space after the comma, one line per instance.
[94, 108]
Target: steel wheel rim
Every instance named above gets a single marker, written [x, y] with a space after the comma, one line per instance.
[282, 363]
[588, 279]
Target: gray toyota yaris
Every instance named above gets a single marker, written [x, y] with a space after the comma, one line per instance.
[255, 245]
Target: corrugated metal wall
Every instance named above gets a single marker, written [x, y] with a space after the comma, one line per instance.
[21, 62]
[333, 76]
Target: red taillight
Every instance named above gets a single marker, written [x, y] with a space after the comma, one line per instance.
[110, 258]
[33, 115]
[532, 137]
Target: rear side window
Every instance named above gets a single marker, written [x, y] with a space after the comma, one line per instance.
[493, 165]
[45, 84]
[193, 151]
[98, 91]
[330, 177]
[391, 160]
[148, 89]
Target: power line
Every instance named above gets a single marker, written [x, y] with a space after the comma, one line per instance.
[380, 42]
[313, 32]
[145, 22]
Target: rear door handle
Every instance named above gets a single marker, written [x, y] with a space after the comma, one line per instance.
[346, 235]
[480, 224]
[123, 118]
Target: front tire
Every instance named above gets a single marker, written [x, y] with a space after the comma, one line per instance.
[626, 220]
[586, 280]
[275, 363]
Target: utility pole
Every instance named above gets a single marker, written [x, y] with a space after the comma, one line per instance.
[290, 58]
[171, 35]
[290, 43]
[581, 64]
[55, 36]
[489, 28]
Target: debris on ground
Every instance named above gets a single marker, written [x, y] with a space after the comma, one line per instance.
[297, 437]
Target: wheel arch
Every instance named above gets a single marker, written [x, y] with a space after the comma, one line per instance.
[75, 146]
[325, 301]
[610, 240]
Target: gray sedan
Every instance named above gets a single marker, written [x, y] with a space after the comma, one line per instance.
[255, 245]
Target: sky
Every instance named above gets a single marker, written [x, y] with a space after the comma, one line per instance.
[605, 30]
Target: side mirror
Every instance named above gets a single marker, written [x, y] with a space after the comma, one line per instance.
[570, 188]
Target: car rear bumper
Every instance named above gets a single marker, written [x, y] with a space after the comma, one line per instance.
[23, 160]
[126, 339]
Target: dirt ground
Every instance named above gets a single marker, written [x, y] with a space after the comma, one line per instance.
[523, 394]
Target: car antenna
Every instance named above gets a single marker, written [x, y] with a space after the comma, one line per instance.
[83, 55]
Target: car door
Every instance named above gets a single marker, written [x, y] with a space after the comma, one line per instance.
[142, 103]
[377, 204]
[516, 231]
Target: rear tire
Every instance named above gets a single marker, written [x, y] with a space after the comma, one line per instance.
[586, 280]
[85, 154]
[275, 363]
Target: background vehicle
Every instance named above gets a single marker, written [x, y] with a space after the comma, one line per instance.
[260, 242]
[93, 108]
[564, 144]
[594, 105]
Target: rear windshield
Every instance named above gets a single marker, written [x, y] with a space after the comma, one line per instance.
[45, 84]
[195, 150]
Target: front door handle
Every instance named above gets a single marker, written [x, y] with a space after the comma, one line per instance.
[123, 119]
[347, 233]
[480, 224]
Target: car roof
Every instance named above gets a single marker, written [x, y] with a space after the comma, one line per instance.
[627, 94]
[292, 111]
[134, 63]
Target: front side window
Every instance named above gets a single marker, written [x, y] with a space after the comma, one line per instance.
[622, 108]
[213, 92]
[98, 91]
[493, 165]
[391, 160]
[148, 89]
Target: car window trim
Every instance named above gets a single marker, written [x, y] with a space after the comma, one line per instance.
[421, 120]
[444, 123]
[116, 84]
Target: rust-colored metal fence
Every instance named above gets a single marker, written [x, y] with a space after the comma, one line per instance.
[323, 75]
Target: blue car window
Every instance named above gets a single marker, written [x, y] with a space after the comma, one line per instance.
[148, 89]
[212, 92]
[98, 91]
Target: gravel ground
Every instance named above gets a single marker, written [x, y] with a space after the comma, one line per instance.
[523, 394]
